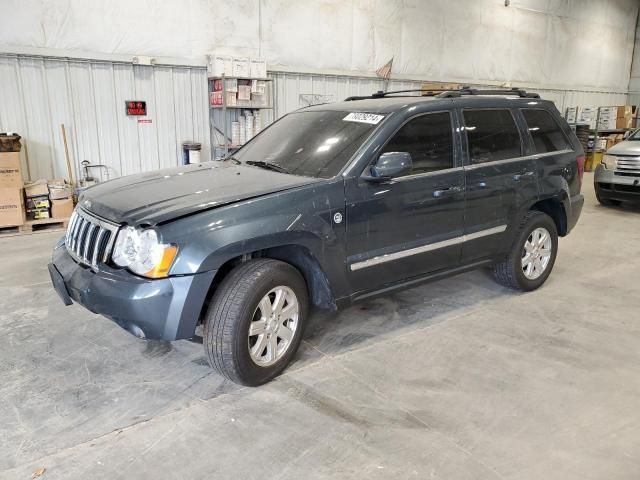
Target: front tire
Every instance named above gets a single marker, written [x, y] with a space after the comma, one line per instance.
[255, 321]
[532, 255]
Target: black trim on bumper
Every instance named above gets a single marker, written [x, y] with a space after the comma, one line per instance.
[577, 202]
[163, 309]
[616, 191]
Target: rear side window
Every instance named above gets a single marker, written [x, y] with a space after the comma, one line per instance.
[492, 135]
[429, 140]
[545, 131]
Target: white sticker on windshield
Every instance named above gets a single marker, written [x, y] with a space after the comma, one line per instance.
[362, 117]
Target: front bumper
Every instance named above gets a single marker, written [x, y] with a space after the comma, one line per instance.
[164, 309]
[610, 186]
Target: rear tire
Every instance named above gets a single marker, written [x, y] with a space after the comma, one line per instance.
[532, 255]
[247, 338]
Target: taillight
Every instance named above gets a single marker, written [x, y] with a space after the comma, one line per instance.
[580, 162]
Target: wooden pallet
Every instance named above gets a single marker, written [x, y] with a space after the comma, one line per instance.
[36, 226]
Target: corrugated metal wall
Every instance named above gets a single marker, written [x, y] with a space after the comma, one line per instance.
[293, 89]
[88, 97]
[39, 94]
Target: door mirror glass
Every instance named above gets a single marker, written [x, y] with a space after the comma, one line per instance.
[390, 165]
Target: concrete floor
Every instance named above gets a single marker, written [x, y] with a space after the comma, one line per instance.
[459, 379]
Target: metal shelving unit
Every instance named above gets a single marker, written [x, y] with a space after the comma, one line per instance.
[221, 116]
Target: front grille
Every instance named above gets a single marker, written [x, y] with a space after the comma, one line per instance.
[90, 239]
[628, 165]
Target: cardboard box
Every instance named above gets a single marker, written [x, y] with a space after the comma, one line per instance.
[241, 68]
[624, 122]
[220, 65]
[587, 116]
[38, 214]
[427, 87]
[36, 189]
[571, 114]
[11, 207]
[59, 188]
[258, 68]
[625, 111]
[607, 123]
[10, 170]
[34, 203]
[61, 208]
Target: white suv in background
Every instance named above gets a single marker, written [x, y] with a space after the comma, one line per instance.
[617, 178]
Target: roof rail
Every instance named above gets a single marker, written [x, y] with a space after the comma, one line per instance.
[474, 91]
[444, 93]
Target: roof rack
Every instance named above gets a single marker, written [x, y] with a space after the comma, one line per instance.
[444, 93]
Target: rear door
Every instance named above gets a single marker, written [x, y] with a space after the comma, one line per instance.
[410, 225]
[500, 178]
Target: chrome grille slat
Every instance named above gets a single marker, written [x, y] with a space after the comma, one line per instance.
[94, 255]
[89, 239]
[87, 242]
[628, 164]
[76, 234]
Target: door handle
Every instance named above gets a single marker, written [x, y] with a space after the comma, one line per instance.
[524, 176]
[445, 192]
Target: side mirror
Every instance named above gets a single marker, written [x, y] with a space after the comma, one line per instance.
[389, 165]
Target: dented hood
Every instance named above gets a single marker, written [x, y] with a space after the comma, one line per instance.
[160, 196]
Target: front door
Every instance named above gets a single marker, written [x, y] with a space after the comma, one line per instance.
[411, 225]
[500, 179]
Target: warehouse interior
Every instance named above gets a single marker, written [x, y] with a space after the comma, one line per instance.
[460, 378]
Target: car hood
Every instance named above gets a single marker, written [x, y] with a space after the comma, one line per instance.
[627, 147]
[160, 196]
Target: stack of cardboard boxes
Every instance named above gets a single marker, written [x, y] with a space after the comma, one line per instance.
[11, 200]
[613, 118]
[48, 199]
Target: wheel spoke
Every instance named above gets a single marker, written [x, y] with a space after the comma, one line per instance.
[289, 311]
[257, 327]
[278, 303]
[285, 333]
[526, 260]
[258, 348]
[272, 348]
[265, 307]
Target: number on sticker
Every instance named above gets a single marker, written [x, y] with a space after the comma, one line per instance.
[362, 117]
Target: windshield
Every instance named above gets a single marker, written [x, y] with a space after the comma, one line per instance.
[312, 144]
[635, 135]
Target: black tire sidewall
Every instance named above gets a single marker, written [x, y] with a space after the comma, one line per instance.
[279, 274]
[544, 221]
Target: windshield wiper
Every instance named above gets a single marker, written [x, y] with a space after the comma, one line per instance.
[233, 159]
[267, 165]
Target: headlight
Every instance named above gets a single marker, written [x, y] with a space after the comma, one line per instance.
[609, 161]
[141, 252]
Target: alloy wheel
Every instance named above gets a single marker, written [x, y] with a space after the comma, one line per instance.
[273, 326]
[536, 253]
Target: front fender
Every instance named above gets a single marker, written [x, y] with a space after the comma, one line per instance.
[302, 217]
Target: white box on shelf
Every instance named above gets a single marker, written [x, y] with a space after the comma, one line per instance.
[244, 92]
[231, 84]
[241, 68]
[587, 116]
[258, 68]
[220, 65]
[607, 123]
[572, 114]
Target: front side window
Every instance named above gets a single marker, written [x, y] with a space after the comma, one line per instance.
[429, 140]
[492, 135]
[545, 131]
[311, 143]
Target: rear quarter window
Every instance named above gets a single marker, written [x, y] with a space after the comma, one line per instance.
[492, 135]
[545, 131]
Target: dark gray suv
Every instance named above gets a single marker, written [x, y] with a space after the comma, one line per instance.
[329, 205]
